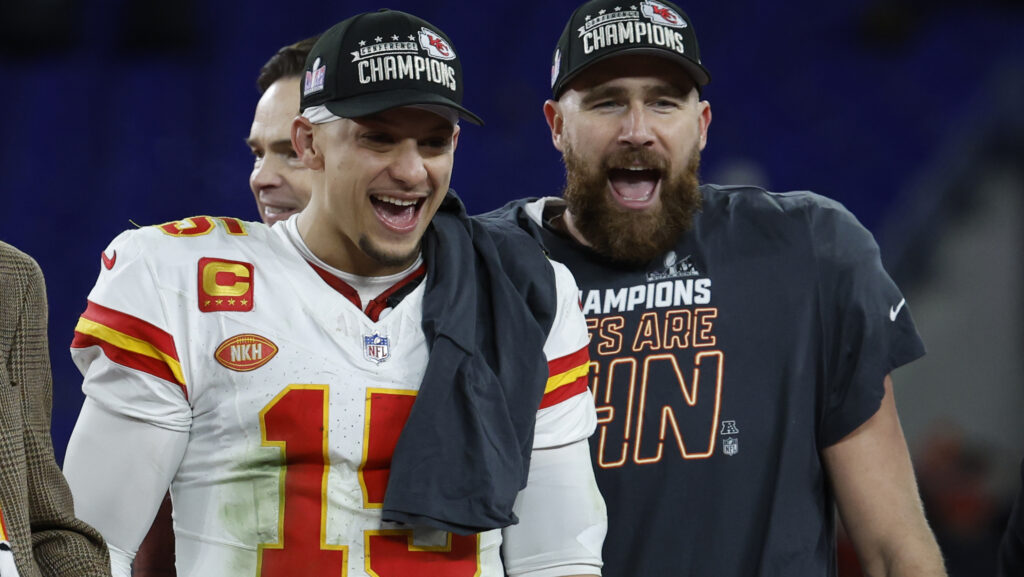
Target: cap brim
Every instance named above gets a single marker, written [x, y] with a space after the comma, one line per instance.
[697, 73]
[367, 104]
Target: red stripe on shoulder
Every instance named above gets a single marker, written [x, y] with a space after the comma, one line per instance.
[564, 392]
[131, 326]
[155, 367]
[568, 362]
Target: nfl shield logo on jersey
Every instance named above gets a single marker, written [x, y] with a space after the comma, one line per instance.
[376, 348]
[730, 445]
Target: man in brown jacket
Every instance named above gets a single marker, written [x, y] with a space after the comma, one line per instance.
[39, 534]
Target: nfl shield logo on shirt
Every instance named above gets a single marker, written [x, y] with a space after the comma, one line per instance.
[730, 445]
[376, 348]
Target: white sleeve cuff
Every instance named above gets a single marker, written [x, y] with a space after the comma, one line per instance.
[118, 470]
[120, 562]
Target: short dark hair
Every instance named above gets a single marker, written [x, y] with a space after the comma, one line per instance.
[289, 61]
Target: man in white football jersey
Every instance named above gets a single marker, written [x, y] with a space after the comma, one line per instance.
[379, 385]
[281, 186]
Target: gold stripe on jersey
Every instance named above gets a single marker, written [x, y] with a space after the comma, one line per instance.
[568, 377]
[131, 344]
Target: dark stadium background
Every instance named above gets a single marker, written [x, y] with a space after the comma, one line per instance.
[121, 112]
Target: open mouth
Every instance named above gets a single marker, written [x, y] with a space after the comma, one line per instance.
[274, 213]
[634, 185]
[397, 214]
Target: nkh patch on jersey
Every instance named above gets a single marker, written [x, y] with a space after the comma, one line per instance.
[246, 352]
[376, 348]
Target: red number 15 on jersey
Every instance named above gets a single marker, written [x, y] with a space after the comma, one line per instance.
[296, 421]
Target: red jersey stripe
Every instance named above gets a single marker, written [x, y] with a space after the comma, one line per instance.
[133, 327]
[567, 377]
[131, 342]
[380, 303]
[157, 367]
[564, 392]
[339, 285]
[568, 362]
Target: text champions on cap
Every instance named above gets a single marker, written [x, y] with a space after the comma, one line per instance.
[626, 27]
[400, 60]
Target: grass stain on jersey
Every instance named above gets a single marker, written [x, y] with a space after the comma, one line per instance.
[248, 505]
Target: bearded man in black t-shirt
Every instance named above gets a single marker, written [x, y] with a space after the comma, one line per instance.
[742, 341]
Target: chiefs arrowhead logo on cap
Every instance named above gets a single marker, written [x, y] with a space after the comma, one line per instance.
[245, 352]
[435, 46]
[661, 14]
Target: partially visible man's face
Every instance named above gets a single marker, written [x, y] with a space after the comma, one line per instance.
[279, 181]
[630, 130]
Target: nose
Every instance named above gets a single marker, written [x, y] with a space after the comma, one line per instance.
[636, 128]
[265, 174]
[407, 165]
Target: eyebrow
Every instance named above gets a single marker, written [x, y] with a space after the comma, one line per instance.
[378, 118]
[603, 92]
[671, 90]
[276, 145]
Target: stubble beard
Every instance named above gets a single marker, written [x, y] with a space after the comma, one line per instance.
[387, 259]
[631, 236]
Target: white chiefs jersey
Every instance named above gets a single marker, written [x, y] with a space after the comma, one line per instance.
[293, 398]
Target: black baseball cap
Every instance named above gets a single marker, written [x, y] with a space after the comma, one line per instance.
[379, 60]
[600, 29]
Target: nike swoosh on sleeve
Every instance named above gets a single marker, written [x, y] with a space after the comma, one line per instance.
[893, 312]
[108, 261]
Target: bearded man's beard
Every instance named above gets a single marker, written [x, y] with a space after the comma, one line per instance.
[631, 236]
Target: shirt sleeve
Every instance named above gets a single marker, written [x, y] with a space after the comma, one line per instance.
[567, 412]
[124, 344]
[562, 517]
[868, 330]
[119, 469]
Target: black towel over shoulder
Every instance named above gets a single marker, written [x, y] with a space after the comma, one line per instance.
[489, 304]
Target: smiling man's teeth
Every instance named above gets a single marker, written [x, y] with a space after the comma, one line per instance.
[395, 201]
[633, 183]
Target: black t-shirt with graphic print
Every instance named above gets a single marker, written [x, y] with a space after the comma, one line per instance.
[721, 369]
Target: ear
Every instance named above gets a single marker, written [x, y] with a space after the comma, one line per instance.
[703, 121]
[553, 114]
[302, 142]
[455, 137]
